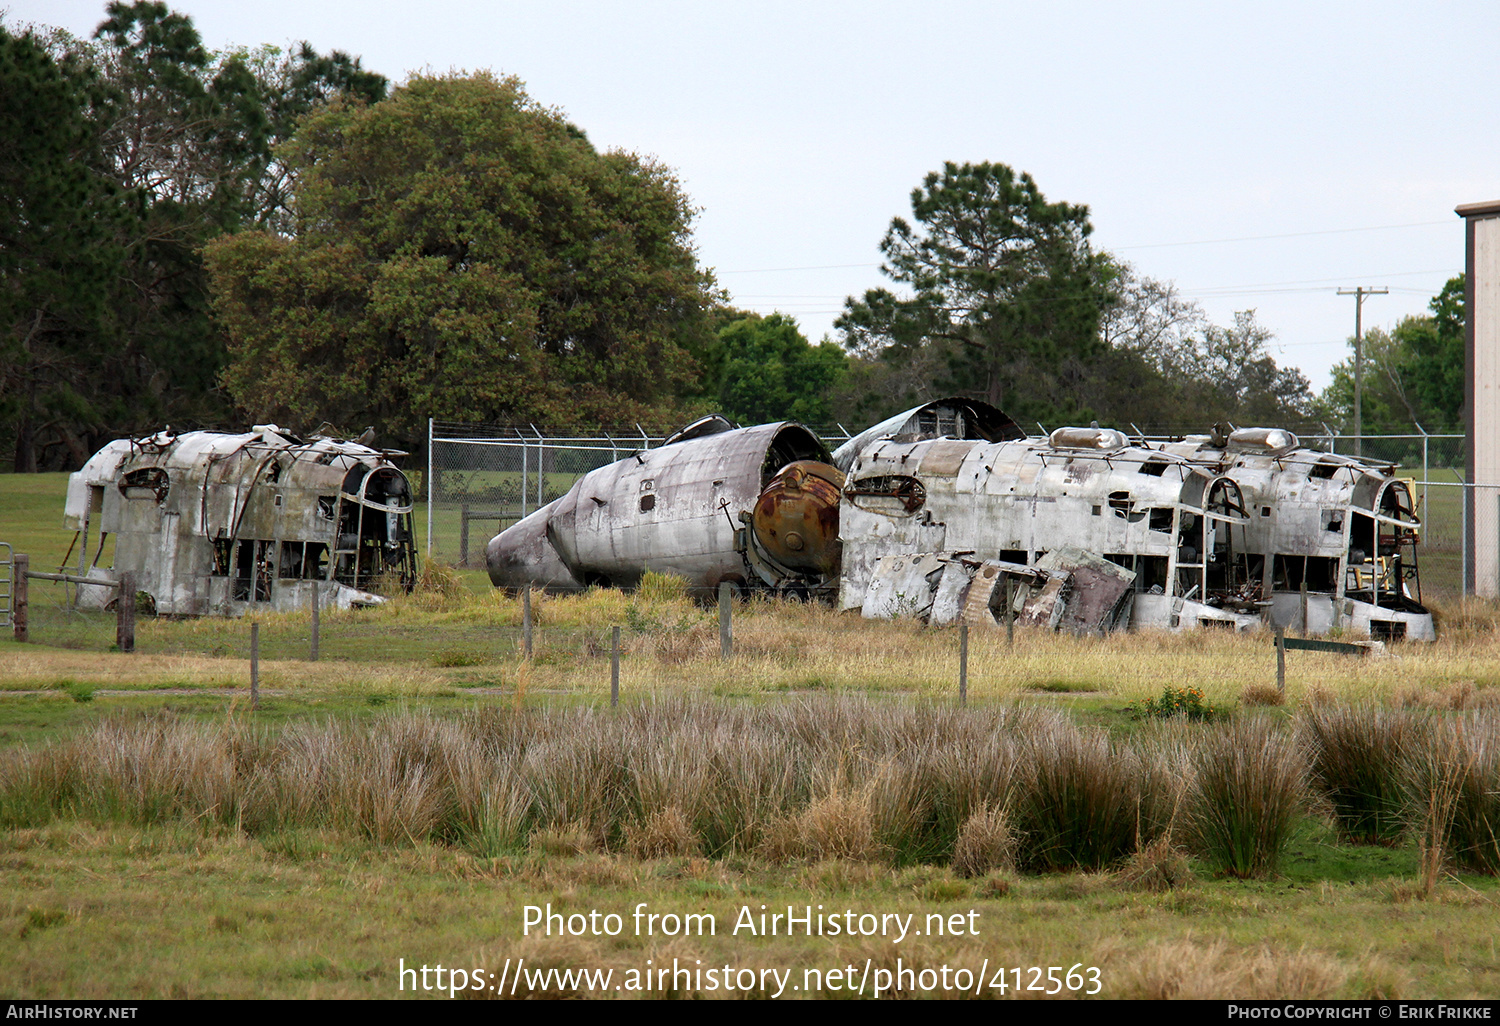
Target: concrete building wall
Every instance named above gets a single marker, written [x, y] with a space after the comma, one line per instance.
[1482, 396]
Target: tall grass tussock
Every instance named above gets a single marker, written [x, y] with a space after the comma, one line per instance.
[986, 789]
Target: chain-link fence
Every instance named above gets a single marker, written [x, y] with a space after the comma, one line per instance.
[481, 479]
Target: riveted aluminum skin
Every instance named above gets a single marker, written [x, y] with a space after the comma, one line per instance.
[221, 524]
[1018, 500]
[675, 509]
[1343, 527]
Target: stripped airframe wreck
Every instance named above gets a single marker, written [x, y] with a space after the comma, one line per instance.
[224, 524]
[950, 511]
[756, 508]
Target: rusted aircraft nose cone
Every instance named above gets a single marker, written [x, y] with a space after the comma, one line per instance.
[797, 517]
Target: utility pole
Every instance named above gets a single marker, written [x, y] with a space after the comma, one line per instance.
[1359, 295]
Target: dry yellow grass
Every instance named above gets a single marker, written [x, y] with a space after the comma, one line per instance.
[36, 667]
[671, 644]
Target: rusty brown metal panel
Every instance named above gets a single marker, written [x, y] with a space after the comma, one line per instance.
[796, 517]
[1096, 590]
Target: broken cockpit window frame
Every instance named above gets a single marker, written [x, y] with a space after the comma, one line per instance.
[146, 483]
[895, 495]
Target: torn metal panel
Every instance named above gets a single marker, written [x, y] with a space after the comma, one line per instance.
[983, 603]
[1068, 590]
[1098, 593]
[219, 524]
[904, 585]
[1045, 607]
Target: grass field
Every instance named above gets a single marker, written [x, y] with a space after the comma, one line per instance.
[127, 888]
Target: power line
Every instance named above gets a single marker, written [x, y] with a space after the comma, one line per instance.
[776, 270]
[1147, 245]
[1323, 281]
[1287, 235]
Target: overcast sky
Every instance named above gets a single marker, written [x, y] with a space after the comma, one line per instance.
[1259, 155]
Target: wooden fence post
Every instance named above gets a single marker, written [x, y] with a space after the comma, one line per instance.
[1280, 660]
[726, 636]
[526, 622]
[963, 663]
[18, 610]
[255, 666]
[125, 613]
[463, 535]
[313, 655]
[614, 668]
[1010, 616]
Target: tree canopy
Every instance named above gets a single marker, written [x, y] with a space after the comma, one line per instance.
[770, 372]
[61, 222]
[1002, 281]
[140, 145]
[461, 251]
[1413, 375]
[1006, 300]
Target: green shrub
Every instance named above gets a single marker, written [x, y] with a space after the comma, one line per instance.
[1453, 790]
[1078, 804]
[79, 691]
[1185, 702]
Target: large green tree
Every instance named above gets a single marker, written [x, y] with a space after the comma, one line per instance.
[1000, 281]
[1438, 360]
[771, 372]
[192, 137]
[60, 252]
[139, 147]
[1413, 374]
[462, 252]
[1168, 368]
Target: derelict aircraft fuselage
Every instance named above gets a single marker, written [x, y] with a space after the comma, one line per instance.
[1089, 529]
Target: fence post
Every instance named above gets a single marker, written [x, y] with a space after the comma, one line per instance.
[125, 613]
[963, 663]
[255, 666]
[526, 621]
[313, 655]
[1280, 660]
[430, 488]
[614, 667]
[20, 564]
[726, 636]
[463, 535]
[1010, 617]
[1304, 598]
[1467, 573]
[525, 457]
[1426, 474]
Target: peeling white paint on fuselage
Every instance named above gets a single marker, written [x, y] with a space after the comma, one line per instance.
[221, 524]
[1015, 501]
[1342, 526]
[1233, 531]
